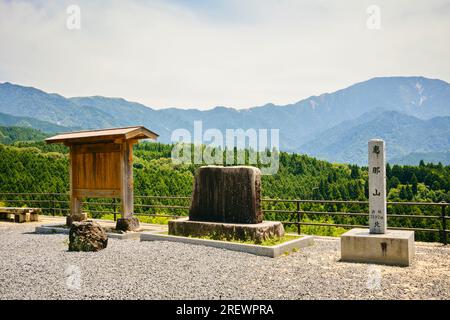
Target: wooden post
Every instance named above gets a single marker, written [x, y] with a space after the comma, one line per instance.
[126, 192]
[75, 202]
[75, 206]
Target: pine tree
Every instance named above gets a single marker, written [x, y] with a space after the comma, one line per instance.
[403, 193]
[435, 185]
[414, 184]
[394, 182]
[409, 193]
[388, 171]
[354, 174]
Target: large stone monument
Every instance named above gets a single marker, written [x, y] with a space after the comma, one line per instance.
[226, 205]
[378, 245]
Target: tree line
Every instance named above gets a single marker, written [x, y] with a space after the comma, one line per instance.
[34, 167]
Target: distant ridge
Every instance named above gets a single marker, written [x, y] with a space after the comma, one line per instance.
[28, 122]
[404, 135]
[301, 123]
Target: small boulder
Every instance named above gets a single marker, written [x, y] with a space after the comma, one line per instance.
[87, 236]
[128, 224]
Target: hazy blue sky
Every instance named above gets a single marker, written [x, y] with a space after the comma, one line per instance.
[203, 53]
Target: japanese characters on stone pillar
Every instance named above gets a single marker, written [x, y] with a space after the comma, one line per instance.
[378, 245]
[377, 187]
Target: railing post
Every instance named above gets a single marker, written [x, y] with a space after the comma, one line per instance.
[114, 208]
[54, 204]
[444, 223]
[298, 218]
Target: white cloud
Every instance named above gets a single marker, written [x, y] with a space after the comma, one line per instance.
[201, 54]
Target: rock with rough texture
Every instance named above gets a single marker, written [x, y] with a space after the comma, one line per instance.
[227, 194]
[87, 236]
[227, 231]
[128, 224]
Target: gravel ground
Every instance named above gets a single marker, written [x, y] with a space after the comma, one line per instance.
[35, 266]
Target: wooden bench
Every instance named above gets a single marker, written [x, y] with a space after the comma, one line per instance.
[20, 214]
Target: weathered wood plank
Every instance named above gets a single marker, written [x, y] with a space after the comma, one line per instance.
[97, 170]
[95, 193]
[96, 147]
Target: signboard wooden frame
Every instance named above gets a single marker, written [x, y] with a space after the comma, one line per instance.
[101, 165]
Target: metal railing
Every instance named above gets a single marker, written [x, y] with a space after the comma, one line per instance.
[291, 212]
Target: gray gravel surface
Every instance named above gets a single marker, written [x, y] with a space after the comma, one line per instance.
[35, 266]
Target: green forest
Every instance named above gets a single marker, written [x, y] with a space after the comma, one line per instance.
[28, 165]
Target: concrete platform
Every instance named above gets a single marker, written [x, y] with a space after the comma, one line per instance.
[395, 247]
[268, 251]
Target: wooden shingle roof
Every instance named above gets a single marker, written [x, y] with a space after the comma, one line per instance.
[103, 135]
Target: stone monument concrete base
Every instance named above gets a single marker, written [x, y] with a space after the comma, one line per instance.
[226, 231]
[395, 247]
[272, 251]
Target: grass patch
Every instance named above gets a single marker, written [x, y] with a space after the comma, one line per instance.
[317, 230]
[276, 241]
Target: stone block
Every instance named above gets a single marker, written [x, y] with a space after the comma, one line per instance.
[395, 247]
[226, 231]
[34, 215]
[75, 218]
[128, 224]
[22, 216]
[227, 194]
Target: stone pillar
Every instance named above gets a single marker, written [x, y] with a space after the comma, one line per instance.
[377, 187]
[378, 245]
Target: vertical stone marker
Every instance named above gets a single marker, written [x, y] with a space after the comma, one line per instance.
[377, 244]
[377, 187]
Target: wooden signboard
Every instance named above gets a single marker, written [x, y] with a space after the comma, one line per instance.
[101, 164]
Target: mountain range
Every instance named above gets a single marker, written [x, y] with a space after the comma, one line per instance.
[402, 133]
[411, 113]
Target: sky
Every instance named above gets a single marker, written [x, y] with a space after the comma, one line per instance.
[206, 53]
